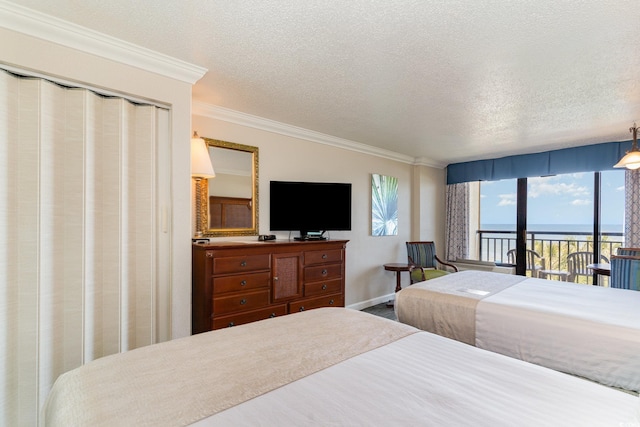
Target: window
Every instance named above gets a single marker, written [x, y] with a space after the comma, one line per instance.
[498, 201]
[562, 214]
[612, 202]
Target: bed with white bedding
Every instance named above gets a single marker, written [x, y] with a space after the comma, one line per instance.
[589, 331]
[330, 366]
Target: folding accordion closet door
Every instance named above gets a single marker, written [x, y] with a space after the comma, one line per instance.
[79, 224]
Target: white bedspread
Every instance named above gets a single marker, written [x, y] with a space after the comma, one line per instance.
[326, 367]
[447, 305]
[428, 380]
[589, 331]
[184, 380]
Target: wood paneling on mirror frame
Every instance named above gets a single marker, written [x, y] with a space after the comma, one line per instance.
[212, 221]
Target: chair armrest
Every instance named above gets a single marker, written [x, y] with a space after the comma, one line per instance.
[447, 264]
[415, 267]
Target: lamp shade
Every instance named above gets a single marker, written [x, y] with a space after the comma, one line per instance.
[201, 166]
[631, 160]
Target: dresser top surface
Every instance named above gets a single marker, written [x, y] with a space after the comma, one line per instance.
[278, 243]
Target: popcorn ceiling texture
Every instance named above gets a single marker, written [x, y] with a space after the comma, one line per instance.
[442, 81]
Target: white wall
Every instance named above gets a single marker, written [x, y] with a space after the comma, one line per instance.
[288, 158]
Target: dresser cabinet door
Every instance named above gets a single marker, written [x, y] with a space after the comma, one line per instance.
[286, 278]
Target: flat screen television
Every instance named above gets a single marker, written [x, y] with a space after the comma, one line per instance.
[310, 207]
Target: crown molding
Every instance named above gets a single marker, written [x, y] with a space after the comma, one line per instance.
[424, 161]
[232, 116]
[36, 24]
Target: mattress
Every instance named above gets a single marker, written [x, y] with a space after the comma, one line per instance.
[330, 366]
[589, 331]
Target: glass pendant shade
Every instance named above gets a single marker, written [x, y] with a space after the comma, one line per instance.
[631, 160]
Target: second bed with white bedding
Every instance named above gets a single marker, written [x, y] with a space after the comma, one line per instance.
[589, 331]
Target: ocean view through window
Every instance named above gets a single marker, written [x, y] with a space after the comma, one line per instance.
[560, 218]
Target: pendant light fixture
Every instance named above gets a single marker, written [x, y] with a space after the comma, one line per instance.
[631, 160]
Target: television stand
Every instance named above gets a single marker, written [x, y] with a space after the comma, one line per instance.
[310, 235]
[306, 238]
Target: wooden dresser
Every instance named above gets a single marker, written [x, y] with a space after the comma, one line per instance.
[241, 282]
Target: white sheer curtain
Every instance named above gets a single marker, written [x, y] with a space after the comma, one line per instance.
[457, 225]
[78, 230]
[632, 208]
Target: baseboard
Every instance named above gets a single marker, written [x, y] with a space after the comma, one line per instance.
[370, 303]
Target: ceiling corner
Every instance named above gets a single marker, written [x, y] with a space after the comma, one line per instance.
[36, 24]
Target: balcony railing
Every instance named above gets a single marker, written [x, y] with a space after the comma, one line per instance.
[554, 246]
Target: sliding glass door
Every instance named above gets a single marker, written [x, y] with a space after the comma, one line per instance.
[559, 216]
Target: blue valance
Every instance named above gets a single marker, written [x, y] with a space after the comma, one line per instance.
[588, 158]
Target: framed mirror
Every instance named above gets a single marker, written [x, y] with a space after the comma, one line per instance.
[227, 205]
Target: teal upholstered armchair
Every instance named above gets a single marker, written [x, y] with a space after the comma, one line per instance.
[625, 272]
[424, 262]
[628, 251]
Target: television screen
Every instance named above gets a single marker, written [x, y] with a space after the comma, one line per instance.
[310, 206]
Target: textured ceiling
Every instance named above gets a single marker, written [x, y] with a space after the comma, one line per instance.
[440, 81]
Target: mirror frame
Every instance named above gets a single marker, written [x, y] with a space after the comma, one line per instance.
[202, 196]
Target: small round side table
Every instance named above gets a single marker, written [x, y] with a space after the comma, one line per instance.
[398, 268]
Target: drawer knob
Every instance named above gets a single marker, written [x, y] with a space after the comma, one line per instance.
[209, 254]
[272, 315]
[324, 272]
[231, 324]
[324, 256]
[301, 308]
[243, 301]
[275, 279]
[330, 302]
[243, 283]
[243, 264]
[324, 287]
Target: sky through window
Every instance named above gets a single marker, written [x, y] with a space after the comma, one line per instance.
[555, 200]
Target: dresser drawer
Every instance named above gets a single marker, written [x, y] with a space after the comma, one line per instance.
[335, 300]
[322, 257]
[248, 317]
[322, 288]
[322, 272]
[238, 264]
[241, 301]
[241, 282]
